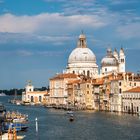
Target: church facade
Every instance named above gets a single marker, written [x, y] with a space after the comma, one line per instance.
[113, 62]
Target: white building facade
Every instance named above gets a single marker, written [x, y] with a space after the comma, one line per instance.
[32, 96]
[131, 101]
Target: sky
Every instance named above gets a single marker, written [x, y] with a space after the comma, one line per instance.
[37, 36]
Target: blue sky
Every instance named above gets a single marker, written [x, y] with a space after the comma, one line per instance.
[37, 36]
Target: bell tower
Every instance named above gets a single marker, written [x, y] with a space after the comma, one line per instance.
[29, 87]
[121, 61]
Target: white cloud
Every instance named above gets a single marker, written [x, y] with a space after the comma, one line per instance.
[48, 23]
[24, 53]
[129, 31]
[24, 38]
[51, 53]
[119, 2]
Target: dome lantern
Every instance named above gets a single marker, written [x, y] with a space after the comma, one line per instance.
[82, 41]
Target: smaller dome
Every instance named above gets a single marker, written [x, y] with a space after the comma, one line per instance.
[109, 59]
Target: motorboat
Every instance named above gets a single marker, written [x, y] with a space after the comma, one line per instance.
[18, 126]
[71, 118]
[69, 112]
[2, 94]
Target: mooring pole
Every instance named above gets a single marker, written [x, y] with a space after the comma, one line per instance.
[36, 124]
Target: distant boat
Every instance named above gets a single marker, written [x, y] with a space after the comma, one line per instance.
[2, 94]
[70, 112]
[71, 118]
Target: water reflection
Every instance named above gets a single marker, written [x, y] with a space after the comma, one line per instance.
[87, 125]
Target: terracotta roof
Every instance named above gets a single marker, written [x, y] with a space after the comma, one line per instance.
[99, 82]
[62, 76]
[116, 79]
[73, 81]
[137, 89]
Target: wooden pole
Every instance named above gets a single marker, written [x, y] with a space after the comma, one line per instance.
[14, 134]
[36, 125]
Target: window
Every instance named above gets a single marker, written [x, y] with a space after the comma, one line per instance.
[88, 73]
[137, 109]
[40, 98]
[32, 99]
[84, 72]
[73, 72]
[87, 92]
[88, 86]
[134, 84]
[122, 60]
[105, 69]
[120, 90]
[120, 83]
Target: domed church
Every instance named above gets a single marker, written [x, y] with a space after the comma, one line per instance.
[113, 62]
[82, 60]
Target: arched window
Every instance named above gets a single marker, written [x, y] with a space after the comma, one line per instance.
[40, 99]
[120, 90]
[137, 109]
[120, 83]
[88, 73]
[84, 72]
[32, 99]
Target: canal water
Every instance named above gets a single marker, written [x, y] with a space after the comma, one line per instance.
[88, 125]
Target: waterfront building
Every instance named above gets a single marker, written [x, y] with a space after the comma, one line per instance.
[121, 83]
[113, 62]
[98, 94]
[131, 100]
[82, 60]
[73, 88]
[58, 88]
[87, 93]
[32, 96]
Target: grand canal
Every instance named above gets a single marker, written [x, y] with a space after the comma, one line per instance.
[88, 125]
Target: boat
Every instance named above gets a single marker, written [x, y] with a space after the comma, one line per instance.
[5, 136]
[3, 94]
[20, 120]
[26, 103]
[18, 126]
[18, 103]
[70, 112]
[71, 118]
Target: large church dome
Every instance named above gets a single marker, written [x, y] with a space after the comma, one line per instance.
[82, 60]
[83, 55]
